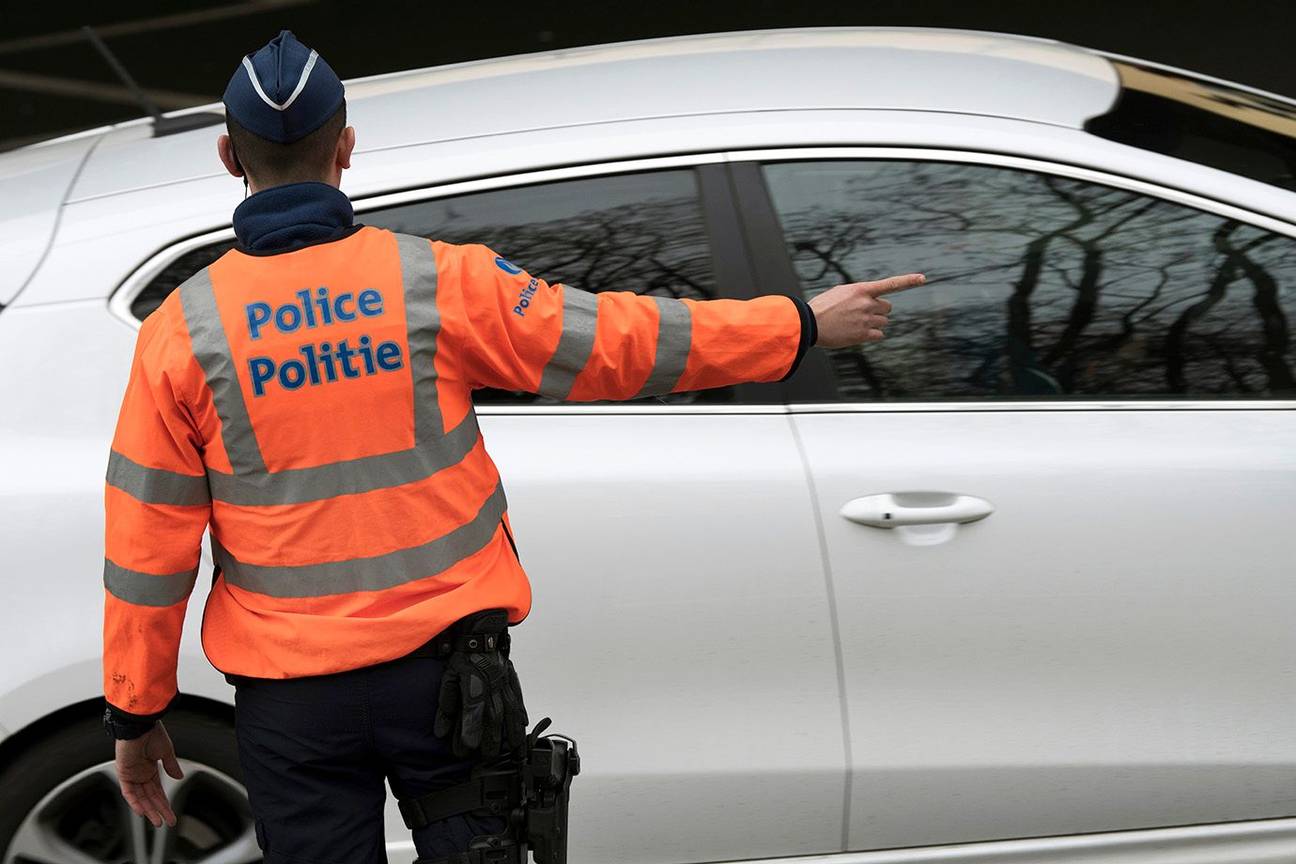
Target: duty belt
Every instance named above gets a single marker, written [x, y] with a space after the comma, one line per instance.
[442, 645]
[450, 640]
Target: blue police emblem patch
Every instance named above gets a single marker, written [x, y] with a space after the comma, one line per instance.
[507, 266]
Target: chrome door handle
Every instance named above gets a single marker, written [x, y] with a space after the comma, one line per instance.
[893, 509]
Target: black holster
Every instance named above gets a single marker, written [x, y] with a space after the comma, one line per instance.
[529, 789]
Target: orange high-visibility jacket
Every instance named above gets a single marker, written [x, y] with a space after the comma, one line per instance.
[313, 407]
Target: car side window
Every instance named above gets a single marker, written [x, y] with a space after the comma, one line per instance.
[169, 277]
[1040, 287]
[628, 232]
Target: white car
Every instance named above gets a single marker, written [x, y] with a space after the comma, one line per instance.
[1017, 583]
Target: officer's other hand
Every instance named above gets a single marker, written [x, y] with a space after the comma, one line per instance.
[137, 772]
[480, 704]
[855, 312]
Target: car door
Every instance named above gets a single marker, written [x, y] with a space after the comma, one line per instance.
[681, 623]
[1056, 501]
[681, 630]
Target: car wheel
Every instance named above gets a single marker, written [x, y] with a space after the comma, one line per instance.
[60, 802]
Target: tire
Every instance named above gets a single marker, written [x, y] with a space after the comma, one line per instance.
[59, 800]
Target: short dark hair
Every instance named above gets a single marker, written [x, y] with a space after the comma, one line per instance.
[272, 164]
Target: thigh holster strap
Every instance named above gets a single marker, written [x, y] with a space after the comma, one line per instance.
[530, 791]
[493, 792]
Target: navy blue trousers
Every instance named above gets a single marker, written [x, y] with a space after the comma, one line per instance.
[315, 752]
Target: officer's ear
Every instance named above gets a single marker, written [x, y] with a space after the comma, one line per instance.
[225, 147]
[346, 143]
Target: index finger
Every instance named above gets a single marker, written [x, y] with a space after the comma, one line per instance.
[895, 283]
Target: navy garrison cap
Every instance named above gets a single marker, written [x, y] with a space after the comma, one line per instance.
[284, 91]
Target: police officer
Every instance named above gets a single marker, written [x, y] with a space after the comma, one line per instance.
[307, 398]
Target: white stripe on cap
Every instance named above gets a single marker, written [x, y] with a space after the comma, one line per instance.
[301, 83]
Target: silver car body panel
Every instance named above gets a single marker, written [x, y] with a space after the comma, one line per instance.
[34, 183]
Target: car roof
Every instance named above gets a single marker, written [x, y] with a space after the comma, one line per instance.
[915, 69]
[769, 70]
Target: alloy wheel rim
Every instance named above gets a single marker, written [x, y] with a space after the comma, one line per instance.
[85, 820]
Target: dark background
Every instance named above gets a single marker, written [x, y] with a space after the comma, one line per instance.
[52, 81]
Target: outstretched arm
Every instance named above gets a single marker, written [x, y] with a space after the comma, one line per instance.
[522, 333]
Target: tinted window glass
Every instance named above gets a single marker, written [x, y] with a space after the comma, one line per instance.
[1039, 286]
[173, 274]
[636, 232]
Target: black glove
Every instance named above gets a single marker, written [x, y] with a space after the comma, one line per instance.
[481, 699]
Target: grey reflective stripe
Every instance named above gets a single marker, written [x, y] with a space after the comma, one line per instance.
[211, 348]
[422, 323]
[674, 339]
[156, 485]
[368, 574]
[580, 316]
[146, 589]
[382, 471]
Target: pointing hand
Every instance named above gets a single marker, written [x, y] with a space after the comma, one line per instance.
[855, 312]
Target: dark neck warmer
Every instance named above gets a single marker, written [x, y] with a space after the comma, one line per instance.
[287, 217]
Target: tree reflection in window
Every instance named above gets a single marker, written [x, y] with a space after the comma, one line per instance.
[1040, 286]
[635, 232]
